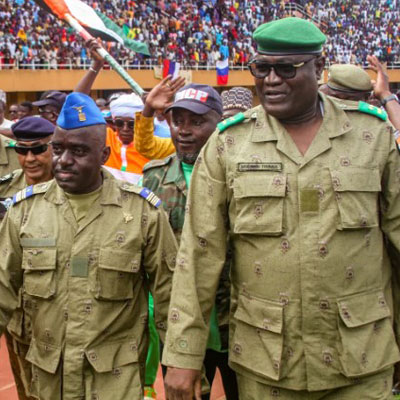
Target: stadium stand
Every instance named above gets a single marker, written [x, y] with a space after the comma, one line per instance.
[197, 33]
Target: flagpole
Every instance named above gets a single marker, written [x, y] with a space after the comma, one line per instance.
[104, 54]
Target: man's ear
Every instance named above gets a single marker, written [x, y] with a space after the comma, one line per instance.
[105, 155]
[319, 66]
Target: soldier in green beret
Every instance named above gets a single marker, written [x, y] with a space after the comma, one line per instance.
[307, 190]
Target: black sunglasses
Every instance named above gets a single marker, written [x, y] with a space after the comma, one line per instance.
[41, 148]
[261, 69]
[43, 111]
[119, 123]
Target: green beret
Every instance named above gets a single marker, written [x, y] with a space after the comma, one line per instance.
[289, 36]
[348, 78]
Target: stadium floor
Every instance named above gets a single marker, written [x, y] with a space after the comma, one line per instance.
[8, 391]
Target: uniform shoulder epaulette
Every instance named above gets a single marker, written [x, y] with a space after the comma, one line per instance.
[6, 178]
[236, 119]
[10, 143]
[364, 107]
[30, 191]
[157, 163]
[147, 194]
[370, 109]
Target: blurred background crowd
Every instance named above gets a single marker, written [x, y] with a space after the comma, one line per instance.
[197, 33]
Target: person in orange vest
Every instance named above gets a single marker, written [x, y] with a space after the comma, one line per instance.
[124, 162]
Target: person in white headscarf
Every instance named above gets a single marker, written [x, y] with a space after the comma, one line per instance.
[124, 161]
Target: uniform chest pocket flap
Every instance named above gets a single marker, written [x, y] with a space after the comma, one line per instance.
[356, 191]
[116, 274]
[367, 340]
[258, 340]
[259, 199]
[39, 265]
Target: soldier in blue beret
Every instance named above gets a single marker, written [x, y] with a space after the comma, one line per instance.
[86, 249]
[306, 190]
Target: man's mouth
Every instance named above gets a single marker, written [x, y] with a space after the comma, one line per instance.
[273, 96]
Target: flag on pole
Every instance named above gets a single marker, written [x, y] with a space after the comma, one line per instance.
[171, 68]
[222, 72]
[97, 24]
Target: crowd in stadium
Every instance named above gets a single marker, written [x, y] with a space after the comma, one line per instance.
[196, 32]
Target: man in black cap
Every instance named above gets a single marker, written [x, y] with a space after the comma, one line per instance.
[195, 111]
[50, 105]
[35, 158]
[34, 155]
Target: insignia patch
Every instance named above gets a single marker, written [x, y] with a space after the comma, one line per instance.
[6, 178]
[11, 143]
[231, 121]
[30, 191]
[79, 267]
[128, 217]
[150, 197]
[369, 109]
[81, 114]
[243, 167]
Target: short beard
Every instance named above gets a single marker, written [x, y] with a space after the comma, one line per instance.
[187, 158]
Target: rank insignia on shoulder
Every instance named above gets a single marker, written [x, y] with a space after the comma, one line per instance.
[6, 178]
[236, 119]
[30, 191]
[150, 197]
[372, 110]
[11, 143]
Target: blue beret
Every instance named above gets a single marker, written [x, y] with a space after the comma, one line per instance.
[32, 128]
[79, 110]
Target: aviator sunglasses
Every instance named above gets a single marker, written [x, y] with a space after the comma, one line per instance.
[119, 123]
[261, 69]
[39, 149]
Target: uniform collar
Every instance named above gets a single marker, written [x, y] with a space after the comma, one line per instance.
[175, 175]
[110, 193]
[268, 128]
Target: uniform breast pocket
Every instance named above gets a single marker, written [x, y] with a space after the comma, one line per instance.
[356, 190]
[39, 265]
[259, 201]
[116, 273]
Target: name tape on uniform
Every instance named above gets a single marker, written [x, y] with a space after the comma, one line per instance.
[243, 167]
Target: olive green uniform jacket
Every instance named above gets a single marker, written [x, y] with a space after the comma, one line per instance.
[311, 305]
[8, 156]
[165, 178]
[86, 288]
[12, 183]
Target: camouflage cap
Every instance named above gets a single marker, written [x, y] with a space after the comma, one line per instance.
[348, 78]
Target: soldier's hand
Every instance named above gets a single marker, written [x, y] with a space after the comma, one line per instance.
[182, 384]
[162, 95]
[381, 84]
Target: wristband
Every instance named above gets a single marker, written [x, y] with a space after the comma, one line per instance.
[389, 98]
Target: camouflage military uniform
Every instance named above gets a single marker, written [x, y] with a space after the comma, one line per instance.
[311, 277]
[18, 330]
[86, 287]
[8, 157]
[165, 178]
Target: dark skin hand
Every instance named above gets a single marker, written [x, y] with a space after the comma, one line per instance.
[182, 384]
[162, 95]
[382, 90]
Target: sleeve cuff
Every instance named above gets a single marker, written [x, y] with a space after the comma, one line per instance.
[179, 360]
